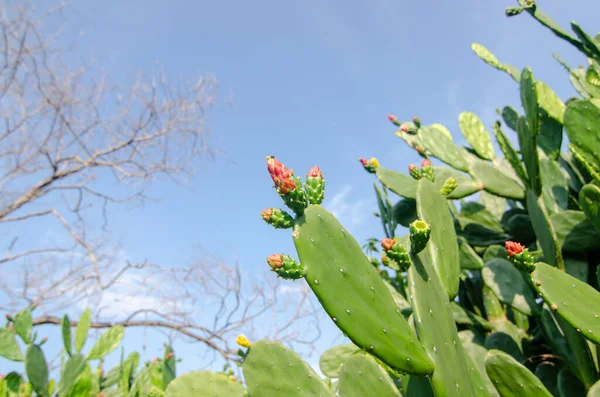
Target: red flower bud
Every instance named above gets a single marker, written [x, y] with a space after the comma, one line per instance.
[45, 339]
[426, 163]
[387, 244]
[513, 248]
[277, 170]
[315, 172]
[169, 355]
[266, 214]
[419, 149]
[411, 167]
[404, 128]
[391, 117]
[275, 261]
[364, 162]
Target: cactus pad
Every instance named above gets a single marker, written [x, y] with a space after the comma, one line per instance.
[576, 302]
[512, 379]
[476, 134]
[362, 376]
[271, 370]
[204, 384]
[353, 294]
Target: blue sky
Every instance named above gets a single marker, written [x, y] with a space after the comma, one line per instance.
[310, 82]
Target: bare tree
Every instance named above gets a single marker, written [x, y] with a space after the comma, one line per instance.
[66, 132]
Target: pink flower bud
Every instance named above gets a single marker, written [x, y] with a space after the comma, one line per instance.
[275, 261]
[411, 167]
[513, 248]
[364, 162]
[404, 128]
[277, 170]
[154, 360]
[315, 172]
[169, 356]
[2, 376]
[426, 163]
[387, 244]
[416, 119]
[266, 214]
[45, 339]
[391, 117]
[419, 149]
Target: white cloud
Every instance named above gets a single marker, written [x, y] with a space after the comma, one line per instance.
[347, 210]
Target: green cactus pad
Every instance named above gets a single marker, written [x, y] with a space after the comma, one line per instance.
[107, 342]
[74, 367]
[544, 229]
[495, 182]
[477, 354]
[551, 136]
[9, 348]
[405, 211]
[205, 384]
[503, 341]
[529, 150]
[549, 101]
[353, 294]
[468, 257]
[443, 129]
[578, 303]
[510, 153]
[547, 372]
[529, 101]
[271, 370]
[569, 385]
[594, 391]
[416, 386]
[509, 286]
[443, 148]
[362, 376]
[512, 379]
[487, 56]
[510, 117]
[401, 184]
[589, 200]
[437, 329]
[574, 231]
[443, 247]
[23, 325]
[581, 122]
[464, 317]
[555, 189]
[476, 134]
[332, 360]
[37, 369]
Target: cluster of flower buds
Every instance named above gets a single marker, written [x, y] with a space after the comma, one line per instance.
[449, 186]
[426, 170]
[277, 218]
[396, 253]
[288, 186]
[520, 256]
[286, 267]
[369, 165]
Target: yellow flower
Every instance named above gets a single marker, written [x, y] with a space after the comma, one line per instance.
[374, 162]
[243, 341]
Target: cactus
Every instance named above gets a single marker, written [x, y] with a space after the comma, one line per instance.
[512, 379]
[362, 376]
[272, 370]
[204, 384]
[353, 294]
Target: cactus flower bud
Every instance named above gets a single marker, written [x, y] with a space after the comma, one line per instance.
[419, 149]
[520, 256]
[277, 170]
[449, 186]
[369, 165]
[290, 190]
[427, 170]
[275, 261]
[419, 236]
[2, 376]
[315, 186]
[394, 120]
[512, 11]
[414, 171]
[277, 218]
[417, 121]
[387, 243]
[397, 257]
[286, 267]
[153, 360]
[404, 128]
[169, 356]
[243, 341]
